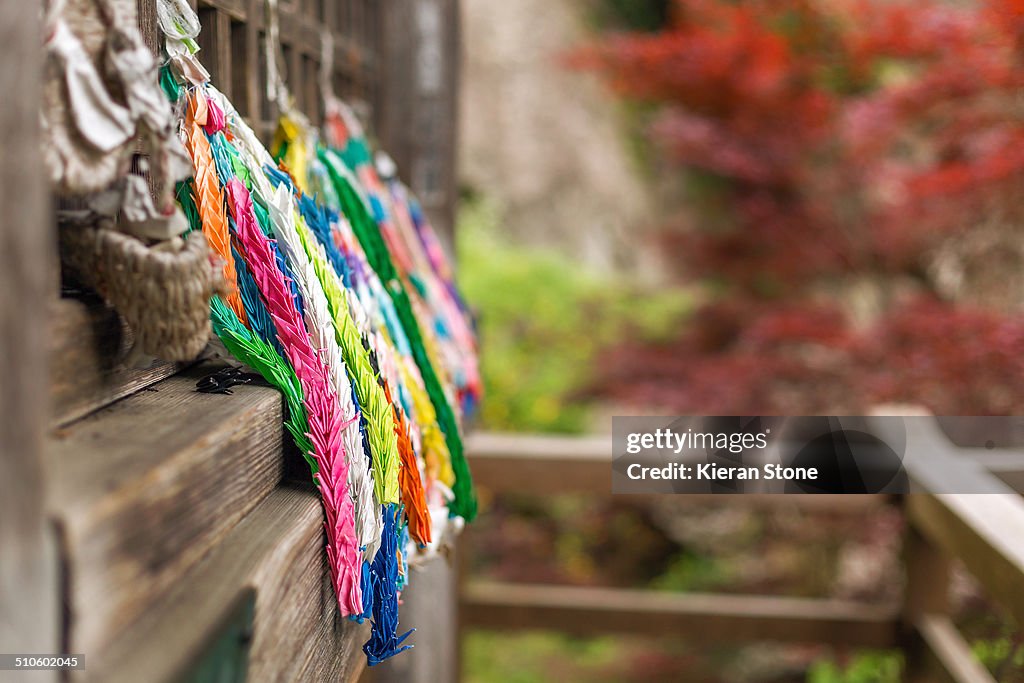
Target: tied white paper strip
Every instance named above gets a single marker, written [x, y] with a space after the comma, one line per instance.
[179, 21]
[332, 103]
[102, 122]
[142, 219]
[181, 27]
[276, 88]
[136, 69]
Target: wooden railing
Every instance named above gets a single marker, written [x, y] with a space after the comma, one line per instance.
[984, 531]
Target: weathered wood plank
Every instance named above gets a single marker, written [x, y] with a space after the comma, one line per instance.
[277, 550]
[551, 465]
[87, 344]
[985, 531]
[143, 489]
[926, 597]
[949, 657]
[545, 465]
[697, 618]
[238, 9]
[1007, 464]
[28, 581]
[233, 42]
[215, 46]
[431, 604]
[418, 99]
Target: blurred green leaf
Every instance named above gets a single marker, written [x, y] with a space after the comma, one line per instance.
[544, 322]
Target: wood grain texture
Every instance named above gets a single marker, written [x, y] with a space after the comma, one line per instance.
[277, 550]
[233, 50]
[28, 577]
[926, 597]
[430, 604]
[417, 102]
[87, 345]
[144, 488]
[215, 46]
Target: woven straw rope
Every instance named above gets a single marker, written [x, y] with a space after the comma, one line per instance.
[163, 292]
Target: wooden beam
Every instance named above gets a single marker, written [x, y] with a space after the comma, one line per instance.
[1006, 464]
[28, 564]
[87, 345]
[541, 464]
[948, 656]
[986, 532]
[417, 106]
[239, 9]
[551, 465]
[215, 43]
[983, 527]
[431, 601]
[698, 618]
[143, 490]
[926, 595]
[276, 550]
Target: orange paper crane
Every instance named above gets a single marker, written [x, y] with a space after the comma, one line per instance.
[413, 496]
[210, 198]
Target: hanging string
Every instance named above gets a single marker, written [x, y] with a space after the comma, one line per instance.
[277, 90]
[310, 311]
[368, 233]
[325, 78]
[181, 28]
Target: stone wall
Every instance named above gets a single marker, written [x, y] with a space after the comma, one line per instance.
[548, 144]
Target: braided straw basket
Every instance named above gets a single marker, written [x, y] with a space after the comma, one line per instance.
[163, 291]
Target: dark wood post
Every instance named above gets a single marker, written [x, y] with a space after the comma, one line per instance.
[417, 106]
[418, 103]
[28, 577]
[926, 593]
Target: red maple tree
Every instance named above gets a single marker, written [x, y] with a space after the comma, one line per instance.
[836, 142]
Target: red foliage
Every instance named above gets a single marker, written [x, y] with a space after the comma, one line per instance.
[956, 361]
[790, 361]
[846, 138]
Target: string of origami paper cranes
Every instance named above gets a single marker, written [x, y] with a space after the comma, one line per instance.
[332, 286]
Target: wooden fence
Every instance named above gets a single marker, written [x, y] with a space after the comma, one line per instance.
[983, 531]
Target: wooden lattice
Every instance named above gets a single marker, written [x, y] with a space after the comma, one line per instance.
[233, 50]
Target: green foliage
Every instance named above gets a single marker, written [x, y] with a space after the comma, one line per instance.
[631, 15]
[693, 572]
[999, 654]
[868, 667]
[538, 658]
[544, 321]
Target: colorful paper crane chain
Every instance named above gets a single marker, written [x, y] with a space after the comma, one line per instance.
[345, 303]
